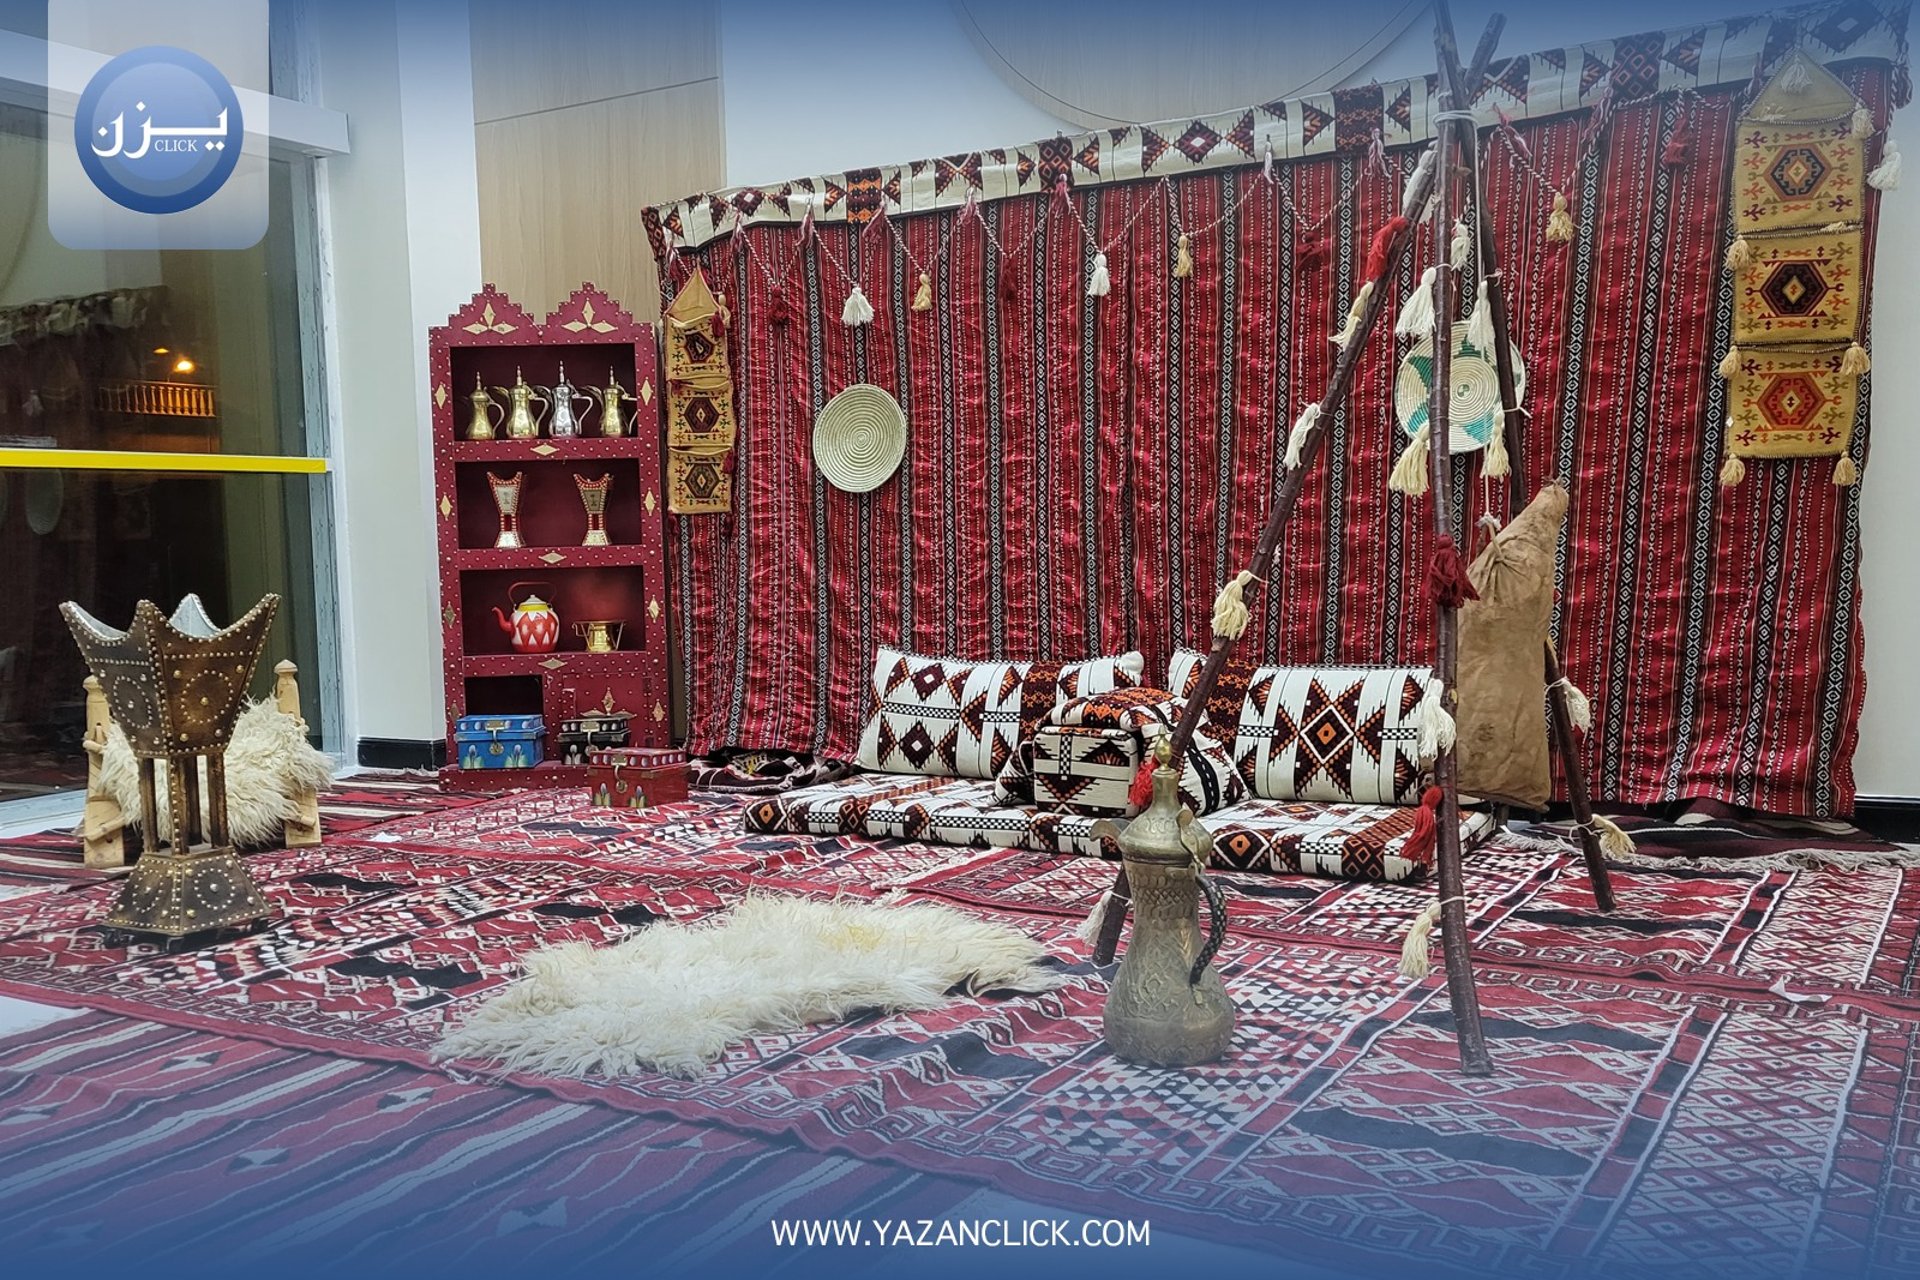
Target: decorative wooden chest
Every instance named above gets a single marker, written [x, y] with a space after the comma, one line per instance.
[636, 777]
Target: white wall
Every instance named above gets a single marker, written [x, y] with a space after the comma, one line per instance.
[405, 229]
[899, 83]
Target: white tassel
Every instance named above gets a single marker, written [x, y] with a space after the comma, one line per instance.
[1230, 615]
[1414, 960]
[1614, 843]
[1886, 174]
[923, 294]
[1089, 930]
[1266, 163]
[1460, 251]
[1410, 471]
[858, 310]
[1351, 330]
[1862, 124]
[1739, 254]
[1416, 313]
[1422, 167]
[1730, 362]
[1297, 438]
[1856, 361]
[1480, 324]
[1182, 258]
[1560, 221]
[1732, 471]
[1579, 709]
[1436, 724]
[1099, 284]
[1498, 465]
[1796, 78]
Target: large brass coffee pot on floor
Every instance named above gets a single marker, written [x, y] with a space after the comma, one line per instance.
[176, 686]
[1167, 1006]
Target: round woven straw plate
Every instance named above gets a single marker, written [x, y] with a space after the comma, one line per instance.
[1473, 415]
[859, 437]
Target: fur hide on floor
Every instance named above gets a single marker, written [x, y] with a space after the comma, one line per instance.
[675, 996]
[270, 764]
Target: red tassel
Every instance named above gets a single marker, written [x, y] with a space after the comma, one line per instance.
[1009, 284]
[778, 312]
[1426, 827]
[1313, 249]
[1679, 148]
[1382, 245]
[1140, 790]
[1447, 580]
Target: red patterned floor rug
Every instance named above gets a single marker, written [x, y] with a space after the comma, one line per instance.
[1718, 1078]
[127, 1140]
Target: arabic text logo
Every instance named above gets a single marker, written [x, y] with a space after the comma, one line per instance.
[158, 130]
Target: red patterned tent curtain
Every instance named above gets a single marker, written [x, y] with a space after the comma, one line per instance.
[1083, 473]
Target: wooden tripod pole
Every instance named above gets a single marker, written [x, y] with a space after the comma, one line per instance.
[1514, 431]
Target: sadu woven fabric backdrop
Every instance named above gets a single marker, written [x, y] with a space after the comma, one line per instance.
[1083, 473]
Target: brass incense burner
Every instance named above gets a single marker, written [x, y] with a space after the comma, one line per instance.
[176, 686]
[1167, 1006]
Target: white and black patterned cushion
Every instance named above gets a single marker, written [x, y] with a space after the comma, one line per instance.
[947, 717]
[1334, 734]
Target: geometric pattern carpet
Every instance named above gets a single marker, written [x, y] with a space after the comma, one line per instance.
[1719, 1077]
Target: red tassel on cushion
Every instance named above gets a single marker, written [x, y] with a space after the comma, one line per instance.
[1447, 580]
[778, 313]
[1679, 148]
[1382, 245]
[1140, 790]
[1426, 827]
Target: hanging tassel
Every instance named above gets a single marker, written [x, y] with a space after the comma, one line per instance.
[1886, 174]
[1140, 790]
[1419, 847]
[1435, 722]
[1739, 254]
[1730, 362]
[1732, 471]
[1845, 473]
[1182, 258]
[1614, 843]
[1416, 313]
[1382, 246]
[923, 295]
[1266, 163]
[1579, 709]
[1560, 221]
[1009, 285]
[1297, 438]
[1421, 168]
[1410, 472]
[1447, 581]
[1351, 329]
[1460, 251]
[1480, 323]
[1796, 78]
[1230, 613]
[1099, 284]
[1862, 127]
[1679, 148]
[858, 310]
[1313, 249]
[1856, 361]
[1498, 465]
[778, 313]
[1414, 962]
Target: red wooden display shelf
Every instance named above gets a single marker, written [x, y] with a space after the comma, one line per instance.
[591, 338]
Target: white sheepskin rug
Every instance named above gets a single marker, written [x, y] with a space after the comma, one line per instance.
[270, 764]
[673, 997]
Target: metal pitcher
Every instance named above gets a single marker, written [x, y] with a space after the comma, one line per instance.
[1167, 1006]
[482, 425]
[611, 423]
[522, 422]
[562, 396]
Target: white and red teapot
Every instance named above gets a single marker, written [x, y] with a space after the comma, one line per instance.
[534, 626]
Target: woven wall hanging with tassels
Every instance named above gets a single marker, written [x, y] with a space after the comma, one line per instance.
[700, 421]
[1800, 182]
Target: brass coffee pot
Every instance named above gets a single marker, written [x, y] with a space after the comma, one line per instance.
[522, 422]
[561, 396]
[481, 425]
[1167, 1006]
[610, 396]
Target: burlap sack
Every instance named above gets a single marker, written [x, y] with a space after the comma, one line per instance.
[1502, 715]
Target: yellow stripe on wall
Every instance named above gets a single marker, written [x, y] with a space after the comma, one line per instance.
[134, 460]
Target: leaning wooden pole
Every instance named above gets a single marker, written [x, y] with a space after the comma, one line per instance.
[1513, 428]
[1453, 131]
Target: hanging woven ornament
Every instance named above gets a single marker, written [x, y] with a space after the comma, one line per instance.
[858, 310]
[1886, 174]
[923, 293]
[1099, 283]
[1475, 415]
[1560, 221]
[1182, 258]
[1416, 313]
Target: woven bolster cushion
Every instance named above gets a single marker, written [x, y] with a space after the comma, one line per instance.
[1337, 735]
[1502, 724]
[949, 717]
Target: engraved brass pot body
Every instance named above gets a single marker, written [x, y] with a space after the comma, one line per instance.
[1167, 1006]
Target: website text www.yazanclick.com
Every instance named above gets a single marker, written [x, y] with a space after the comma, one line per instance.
[982, 1233]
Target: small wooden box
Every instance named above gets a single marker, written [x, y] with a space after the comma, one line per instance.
[636, 777]
[581, 736]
